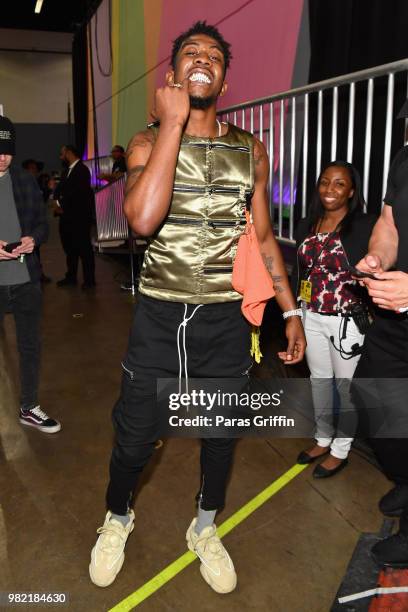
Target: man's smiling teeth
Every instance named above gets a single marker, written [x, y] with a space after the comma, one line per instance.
[200, 77]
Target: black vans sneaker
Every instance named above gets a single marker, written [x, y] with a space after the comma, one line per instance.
[35, 417]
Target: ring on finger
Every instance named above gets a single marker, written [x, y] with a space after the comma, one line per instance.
[178, 85]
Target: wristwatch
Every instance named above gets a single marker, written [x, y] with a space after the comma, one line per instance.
[293, 313]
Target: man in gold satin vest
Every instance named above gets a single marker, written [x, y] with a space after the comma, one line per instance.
[190, 178]
[190, 256]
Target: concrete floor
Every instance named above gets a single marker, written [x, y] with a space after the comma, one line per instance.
[290, 554]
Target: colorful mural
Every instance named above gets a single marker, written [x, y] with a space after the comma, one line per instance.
[130, 43]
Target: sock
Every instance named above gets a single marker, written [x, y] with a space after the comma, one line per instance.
[205, 518]
[121, 518]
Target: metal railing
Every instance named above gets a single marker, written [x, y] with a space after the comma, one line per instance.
[111, 223]
[283, 123]
[97, 166]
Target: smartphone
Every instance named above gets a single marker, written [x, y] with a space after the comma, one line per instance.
[11, 246]
[360, 274]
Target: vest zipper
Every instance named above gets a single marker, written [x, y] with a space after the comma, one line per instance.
[199, 145]
[181, 221]
[187, 189]
[209, 190]
[214, 224]
[218, 270]
[215, 145]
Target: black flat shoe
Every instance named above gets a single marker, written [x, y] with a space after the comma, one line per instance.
[304, 458]
[394, 502]
[392, 552]
[322, 472]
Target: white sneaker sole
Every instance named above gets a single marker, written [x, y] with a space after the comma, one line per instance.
[209, 580]
[106, 584]
[118, 567]
[49, 430]
[206, 574]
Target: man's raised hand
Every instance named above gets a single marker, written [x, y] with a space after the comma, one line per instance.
[172, 104]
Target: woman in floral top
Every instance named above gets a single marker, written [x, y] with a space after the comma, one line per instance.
[334, 236]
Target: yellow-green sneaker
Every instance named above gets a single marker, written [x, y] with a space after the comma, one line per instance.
[216, 567]
[108, 553]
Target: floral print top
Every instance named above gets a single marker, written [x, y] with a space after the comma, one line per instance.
[333, 289]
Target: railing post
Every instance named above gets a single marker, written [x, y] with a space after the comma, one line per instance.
[334, 123]
[350, 129]
[261, 123]
[271, 160]
[368, 136]
[319, 132]
[292, 167]
[281, 162]
[388, 131]
[305, 152]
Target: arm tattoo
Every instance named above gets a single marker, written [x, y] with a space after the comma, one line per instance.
[132, 176]
[268, 261]
[135, 170]
[276, 278]
[276, 283]
[142, 140]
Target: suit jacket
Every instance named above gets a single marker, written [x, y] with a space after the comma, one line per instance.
[75, 195]
[31, 212]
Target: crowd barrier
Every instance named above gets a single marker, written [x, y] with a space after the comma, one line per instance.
[282, 122]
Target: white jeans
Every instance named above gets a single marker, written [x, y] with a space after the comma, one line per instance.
[325, 362]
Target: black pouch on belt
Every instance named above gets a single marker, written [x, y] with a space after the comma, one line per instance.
[361, 317]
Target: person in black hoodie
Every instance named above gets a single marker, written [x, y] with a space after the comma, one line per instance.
[334, 236]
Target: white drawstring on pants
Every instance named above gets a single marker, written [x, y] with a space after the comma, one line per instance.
[183, 325]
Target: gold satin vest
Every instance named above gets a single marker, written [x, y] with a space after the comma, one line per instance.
[190, 257]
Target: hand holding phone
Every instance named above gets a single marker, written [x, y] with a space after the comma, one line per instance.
[11, 246]
[360, 274]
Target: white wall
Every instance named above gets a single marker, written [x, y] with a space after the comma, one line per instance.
[35, 40]
[35, 86]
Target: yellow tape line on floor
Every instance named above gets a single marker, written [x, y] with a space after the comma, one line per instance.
[179, 564]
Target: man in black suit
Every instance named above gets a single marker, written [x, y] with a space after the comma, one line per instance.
[75, 198]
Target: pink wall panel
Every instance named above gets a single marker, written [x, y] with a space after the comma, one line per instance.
[263, 34]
